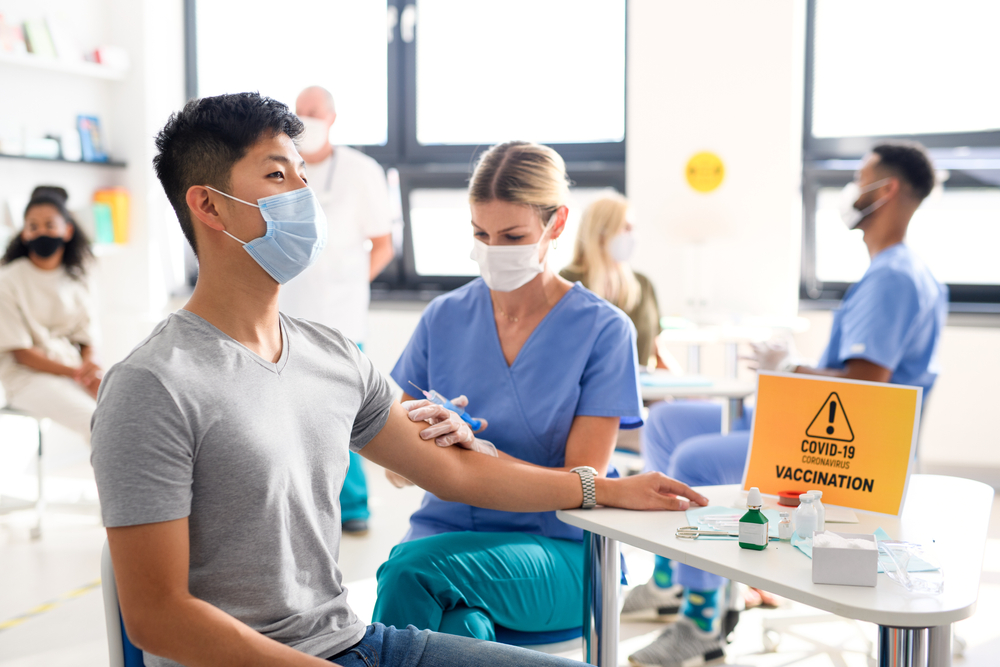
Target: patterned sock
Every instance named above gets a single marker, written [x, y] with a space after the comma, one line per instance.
[702, 607]
[663, 573]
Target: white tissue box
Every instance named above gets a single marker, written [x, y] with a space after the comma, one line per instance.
[846, 567]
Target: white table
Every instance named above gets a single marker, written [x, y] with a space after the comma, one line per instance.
[948, 513]
[733, 392]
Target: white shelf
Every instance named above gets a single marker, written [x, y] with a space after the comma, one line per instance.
[78, 67]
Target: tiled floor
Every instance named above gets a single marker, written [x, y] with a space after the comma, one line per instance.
[71, 632]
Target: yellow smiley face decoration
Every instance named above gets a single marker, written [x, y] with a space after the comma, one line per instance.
[705, 171]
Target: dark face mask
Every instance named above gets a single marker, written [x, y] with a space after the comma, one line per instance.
[45, 246]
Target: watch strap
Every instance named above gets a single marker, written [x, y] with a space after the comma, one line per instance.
[587, 480]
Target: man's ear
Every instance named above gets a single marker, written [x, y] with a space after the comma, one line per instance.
[200, 201]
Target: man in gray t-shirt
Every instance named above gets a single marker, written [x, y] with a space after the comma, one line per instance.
[220, 444]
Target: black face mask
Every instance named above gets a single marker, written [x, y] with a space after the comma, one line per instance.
[45, 246]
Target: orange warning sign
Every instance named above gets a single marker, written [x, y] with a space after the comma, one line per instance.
[853, 440]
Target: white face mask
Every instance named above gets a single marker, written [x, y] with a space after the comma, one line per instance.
[851, 215]
[506, 267]
[315, 136]
[621, 246]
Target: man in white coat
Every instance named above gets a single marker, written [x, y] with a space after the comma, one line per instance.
[335, 291]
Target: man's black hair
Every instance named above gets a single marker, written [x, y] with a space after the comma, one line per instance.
[200, 144]
[910, 162]
[76, 253]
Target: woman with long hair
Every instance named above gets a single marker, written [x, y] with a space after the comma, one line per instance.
[604, 246]
[47, 365]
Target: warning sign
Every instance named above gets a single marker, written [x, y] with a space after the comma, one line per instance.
[853, 440]
[831, 421]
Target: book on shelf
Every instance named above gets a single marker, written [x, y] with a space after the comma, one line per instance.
[11, 37]
[117, 200]
[36, 32]
[91, 145]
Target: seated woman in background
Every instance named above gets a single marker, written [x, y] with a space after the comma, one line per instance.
[46, 341]
[601, 257]
[552, 367]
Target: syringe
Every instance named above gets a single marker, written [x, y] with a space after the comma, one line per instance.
[438, 399]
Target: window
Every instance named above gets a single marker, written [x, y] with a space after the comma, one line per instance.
[925, 79]
[529, 69]
[280, 49]
[423, 86]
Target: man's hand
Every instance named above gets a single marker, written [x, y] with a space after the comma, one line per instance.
[648, 491]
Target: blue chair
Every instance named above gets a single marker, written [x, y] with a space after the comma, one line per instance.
[121, 651]
[553, 641]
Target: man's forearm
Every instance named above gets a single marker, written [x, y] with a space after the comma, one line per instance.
[380, 256]
[192, 632]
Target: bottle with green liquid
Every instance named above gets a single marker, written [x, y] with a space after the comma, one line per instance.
[753, 525]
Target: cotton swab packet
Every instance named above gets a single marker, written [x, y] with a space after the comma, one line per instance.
[831, 540]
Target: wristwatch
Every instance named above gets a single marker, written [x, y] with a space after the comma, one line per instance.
[587, 476]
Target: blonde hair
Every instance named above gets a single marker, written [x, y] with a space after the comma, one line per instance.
[519, 172]
[602, 221]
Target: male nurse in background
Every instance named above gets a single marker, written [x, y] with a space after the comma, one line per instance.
[351, 187]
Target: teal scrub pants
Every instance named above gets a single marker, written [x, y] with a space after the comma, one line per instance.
[354, 495]
[465, 583]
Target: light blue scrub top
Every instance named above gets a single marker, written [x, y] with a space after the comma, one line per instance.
[892, 317]
[579, 360]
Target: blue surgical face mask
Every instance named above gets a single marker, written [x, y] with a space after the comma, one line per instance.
[296, 232]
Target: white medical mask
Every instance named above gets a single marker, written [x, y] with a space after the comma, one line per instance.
[506, 267]
[851, 215]
[621, 246]
[296, 232]
[315, 136]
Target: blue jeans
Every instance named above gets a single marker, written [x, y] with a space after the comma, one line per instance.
[390, 647]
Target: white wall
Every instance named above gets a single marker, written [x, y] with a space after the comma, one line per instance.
[131, 281]
[723, 76]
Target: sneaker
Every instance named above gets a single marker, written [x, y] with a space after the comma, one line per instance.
[651, 601]
[355, 527]
[680, 645]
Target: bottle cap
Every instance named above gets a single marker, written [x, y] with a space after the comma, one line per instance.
[805, 496]
[816, 493]
[753, 498]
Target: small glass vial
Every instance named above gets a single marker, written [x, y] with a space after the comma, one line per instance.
[805, 517]
[784, 527]
[820, 510]
[753, 525]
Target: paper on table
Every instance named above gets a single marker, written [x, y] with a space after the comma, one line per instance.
[835, 514]
[696, 514]
[915, 565]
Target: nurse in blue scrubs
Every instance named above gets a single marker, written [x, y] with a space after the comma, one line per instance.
[552, 369]
[887, 329]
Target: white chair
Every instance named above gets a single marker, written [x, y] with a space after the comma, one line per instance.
[12, 504]
[121, 651]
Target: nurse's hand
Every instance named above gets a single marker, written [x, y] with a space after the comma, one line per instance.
[648, 491]
[446, 427]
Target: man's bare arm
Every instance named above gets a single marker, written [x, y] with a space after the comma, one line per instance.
[460, 475]
[854, 369]
[163, 618]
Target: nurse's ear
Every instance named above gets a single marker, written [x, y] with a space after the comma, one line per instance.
[557, 222]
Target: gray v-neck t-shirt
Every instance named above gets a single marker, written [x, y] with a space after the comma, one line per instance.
[193, 424]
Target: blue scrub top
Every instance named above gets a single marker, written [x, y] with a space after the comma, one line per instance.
[579, 360]
[892, 317]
